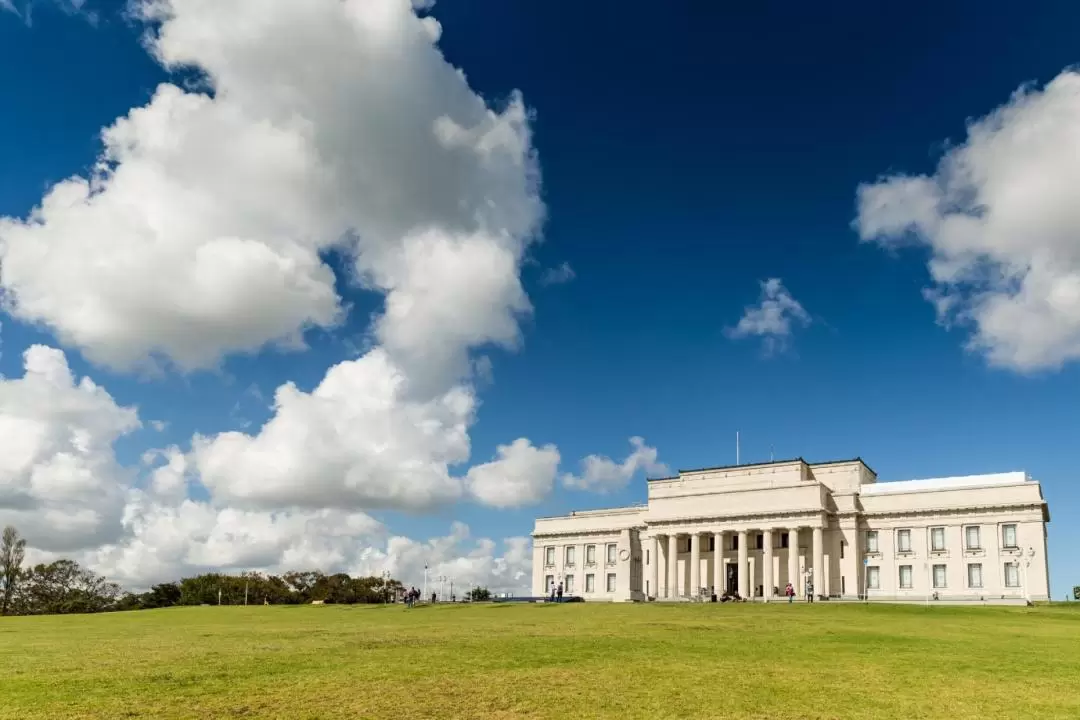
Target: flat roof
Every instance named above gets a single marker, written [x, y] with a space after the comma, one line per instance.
[624, 510]
[765, 464]
[946, 483]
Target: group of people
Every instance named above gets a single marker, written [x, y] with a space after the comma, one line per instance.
[556, 593]
[412, 596]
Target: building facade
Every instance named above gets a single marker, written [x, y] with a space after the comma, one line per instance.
[829, 527]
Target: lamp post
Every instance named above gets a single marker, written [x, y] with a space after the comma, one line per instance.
[425, 581]
[1027, 564]
[386, 586]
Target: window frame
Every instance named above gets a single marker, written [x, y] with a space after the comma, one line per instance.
[967, 537]
[590, 582]
[910, 577]
[970, 567]
[1015, 566]
[549, 583]
[936, 532]
[612, 582]
[873, 572]
[590, 554]
[568, 584]
[570, 555]
[944, 576]
[873, 542]
[1016, 536]
[549, 556]
[611, 553]
[903, 532]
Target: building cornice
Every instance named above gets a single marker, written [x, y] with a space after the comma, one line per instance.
[808, 514]
[956, 510]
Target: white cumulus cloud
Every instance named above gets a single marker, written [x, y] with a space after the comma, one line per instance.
[1001, 221]
[332, 124]
[356, 441]
[773, 318]
[602, 474]
[521, 474]
[60, 483]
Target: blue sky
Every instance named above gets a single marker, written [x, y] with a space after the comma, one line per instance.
[687, 156]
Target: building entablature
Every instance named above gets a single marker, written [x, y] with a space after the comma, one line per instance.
[772, 520]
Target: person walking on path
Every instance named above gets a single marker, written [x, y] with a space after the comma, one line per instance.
[558, 593]
[790, 592]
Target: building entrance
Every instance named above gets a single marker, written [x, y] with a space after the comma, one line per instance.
[731, 582]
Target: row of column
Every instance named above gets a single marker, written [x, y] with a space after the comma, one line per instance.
[671, 559]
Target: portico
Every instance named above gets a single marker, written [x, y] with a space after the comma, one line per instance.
[697, 563]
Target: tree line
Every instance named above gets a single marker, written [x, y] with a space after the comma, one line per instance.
[64, 586]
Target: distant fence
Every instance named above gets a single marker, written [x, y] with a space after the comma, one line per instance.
[536, 599]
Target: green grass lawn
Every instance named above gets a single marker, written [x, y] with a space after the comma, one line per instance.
[546, 661]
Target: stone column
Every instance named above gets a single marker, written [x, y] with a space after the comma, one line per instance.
[695, 563]
[718, 564]
[819, 561]
[654, 567]
[767, 576]
[744, 568]
[672, 566]
[793, 560]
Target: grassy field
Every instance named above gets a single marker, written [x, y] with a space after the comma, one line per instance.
[567, 661]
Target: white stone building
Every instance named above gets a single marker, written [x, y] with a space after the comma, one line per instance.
[748, 528]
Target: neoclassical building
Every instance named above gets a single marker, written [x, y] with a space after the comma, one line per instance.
[752, 529]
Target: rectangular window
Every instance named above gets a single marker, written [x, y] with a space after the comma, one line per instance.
[611, 554]
[569, 584]
[905, 577]
[1012, 575]
[873, 577]
[1008, 536]
[971, 537]
[590, 554]
[570, 555]
[590, 583]
[646, 557]
[611, 582]
[975, 575]
[712, 543]
[939, 576]
[784, 540]
[549, 556]
[759, 541]
[842, 544]
[903, 541]
[549, 582]
[689, 540]
[937, 539]
[871, 541]
[734, 542]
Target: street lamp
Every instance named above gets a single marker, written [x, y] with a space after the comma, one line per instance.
[1027, 564]
[386, 586]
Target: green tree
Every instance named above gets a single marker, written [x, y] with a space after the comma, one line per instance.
[1076, 592]
[63, 587]
[12, 553]
[479, 594]
[161, 596]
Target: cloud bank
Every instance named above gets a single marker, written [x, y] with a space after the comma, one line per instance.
[1000, 219]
